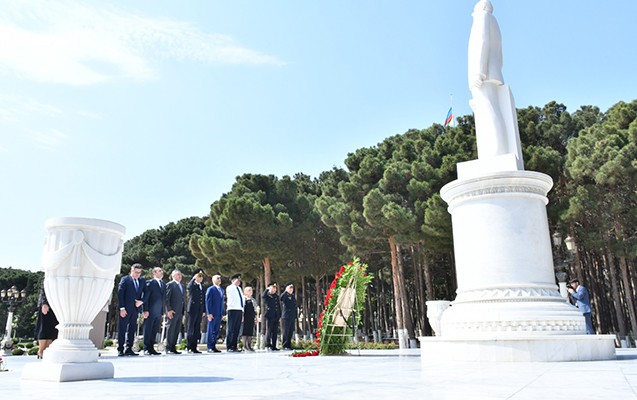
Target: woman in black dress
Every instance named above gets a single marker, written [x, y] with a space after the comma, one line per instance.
[249, 318]
[45, 330]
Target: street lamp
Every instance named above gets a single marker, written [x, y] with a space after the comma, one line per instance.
[563, 258]
[12, 298]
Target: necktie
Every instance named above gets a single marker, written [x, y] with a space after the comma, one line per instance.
[181, 289]
[136, 284]
[240, 296]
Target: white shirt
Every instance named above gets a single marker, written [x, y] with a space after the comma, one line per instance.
[234, 297]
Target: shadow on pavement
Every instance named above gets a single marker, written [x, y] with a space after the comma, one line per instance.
[171, 379]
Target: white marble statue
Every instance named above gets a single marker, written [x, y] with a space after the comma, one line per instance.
[492, 103]
[507, 307]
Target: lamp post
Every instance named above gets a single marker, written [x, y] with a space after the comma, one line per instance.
[562, 258]
[12, 297]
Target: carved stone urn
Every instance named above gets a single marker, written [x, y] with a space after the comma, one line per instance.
[81, 257]
[435, 308]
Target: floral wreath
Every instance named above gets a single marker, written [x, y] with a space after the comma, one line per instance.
[353, 274]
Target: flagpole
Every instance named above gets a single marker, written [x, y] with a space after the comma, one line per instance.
[453, 120]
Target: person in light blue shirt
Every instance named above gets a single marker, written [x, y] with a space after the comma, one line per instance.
[583, 302]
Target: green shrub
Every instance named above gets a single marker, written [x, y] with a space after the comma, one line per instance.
[33, 351]
[372, 346]
[29, 345]
[305, 345]
[108, 342]
[17, 352]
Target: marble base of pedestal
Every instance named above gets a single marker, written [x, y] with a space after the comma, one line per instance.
[532, 348]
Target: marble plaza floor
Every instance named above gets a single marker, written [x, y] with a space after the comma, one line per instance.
[386, 374]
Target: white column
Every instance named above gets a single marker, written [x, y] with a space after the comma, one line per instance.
[504, 263]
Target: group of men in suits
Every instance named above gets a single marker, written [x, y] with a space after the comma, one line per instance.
[155, 299]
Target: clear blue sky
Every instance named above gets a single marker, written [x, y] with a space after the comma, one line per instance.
[144, 112]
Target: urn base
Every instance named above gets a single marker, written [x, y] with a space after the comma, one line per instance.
[68, 372]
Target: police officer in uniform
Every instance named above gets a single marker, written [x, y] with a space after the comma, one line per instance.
[272, 315]
[196, 310]
[289, 314]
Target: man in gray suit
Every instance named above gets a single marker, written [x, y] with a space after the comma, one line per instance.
[175, 306]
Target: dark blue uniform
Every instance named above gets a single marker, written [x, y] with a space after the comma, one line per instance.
[272, 316]
[196, 308]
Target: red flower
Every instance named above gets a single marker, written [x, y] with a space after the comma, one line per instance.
[308, 353]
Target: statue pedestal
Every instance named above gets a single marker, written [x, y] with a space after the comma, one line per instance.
[81, 257]
[507, 297]
[532, 348]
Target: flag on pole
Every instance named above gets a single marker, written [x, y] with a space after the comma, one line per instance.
[449, 117]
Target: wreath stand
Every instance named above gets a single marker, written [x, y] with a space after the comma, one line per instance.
[346, 306]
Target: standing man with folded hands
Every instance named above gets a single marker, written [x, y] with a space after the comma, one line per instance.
[214, 312]
[175, 296]
[129, 298]
[154, 298]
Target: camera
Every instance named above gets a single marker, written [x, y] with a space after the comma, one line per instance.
[569, 286]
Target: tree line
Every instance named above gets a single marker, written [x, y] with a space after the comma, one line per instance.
[384, 207]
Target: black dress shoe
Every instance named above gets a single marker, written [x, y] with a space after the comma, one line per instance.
[151, 353]
[174, 351]
[195, 351]
[275, 349]
[119, 354]
[130, 352]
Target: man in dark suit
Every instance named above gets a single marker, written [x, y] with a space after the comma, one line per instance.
[154, 298]
[214, 311]
[196, 310]
[175, 295]
[288, 316]
[129, 298]
[272, 315]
